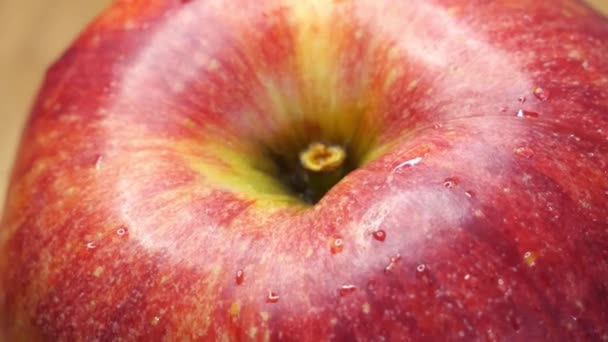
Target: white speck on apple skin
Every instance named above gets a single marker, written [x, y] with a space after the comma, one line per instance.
[309, 252]
[586, 65]
[530, 259]
[178, 87]
[129, 25]
[213, 65]
[98, 162]
[98, 271]
[575, 54]
[253, 331]
[412, 85]
[155, 320]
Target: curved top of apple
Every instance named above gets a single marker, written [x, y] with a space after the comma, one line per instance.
[157, 189]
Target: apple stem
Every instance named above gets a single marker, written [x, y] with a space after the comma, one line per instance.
[324, 167]
[319, 157]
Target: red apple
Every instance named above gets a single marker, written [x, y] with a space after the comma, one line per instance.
[314, 170]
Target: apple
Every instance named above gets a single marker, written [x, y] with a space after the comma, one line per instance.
[316, 170]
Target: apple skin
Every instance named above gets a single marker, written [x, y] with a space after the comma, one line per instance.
[137, 209]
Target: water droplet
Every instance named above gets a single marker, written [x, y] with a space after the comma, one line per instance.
[437, 126]
[586, 65]
[346, 290]
[526, 114]
[501, 282]
[469, 194]
[540, 94]
[379, 235]
[392, 263]
[98, 271]
[240, 277]
[530, 258]
[522, 99]
[122, 231]
[336, 245]
[503, 109]
[450, 182]
[524, 152]
[421, 268]
[91, 245]
[272, 297]
[408, 163]
[467, 276]
[155, 320]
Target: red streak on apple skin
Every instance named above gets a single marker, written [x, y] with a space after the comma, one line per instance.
[155, 87]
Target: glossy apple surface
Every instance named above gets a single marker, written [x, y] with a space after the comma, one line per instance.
[154, 193]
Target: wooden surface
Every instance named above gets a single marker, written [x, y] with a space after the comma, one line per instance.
[32, 34]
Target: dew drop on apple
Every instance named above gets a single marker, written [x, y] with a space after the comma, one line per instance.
[392, 263]
[379, 235]
[421, 268]
[240, 277]
[336, 245]
[450, 182]
[469, 194]
[91, 245]
[526, 114]
[524, 152]
[122, 231]
[407, 164]
[272, 297]
[346, 289]
[521, 99]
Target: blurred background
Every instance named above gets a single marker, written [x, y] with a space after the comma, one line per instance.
[33, 33]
